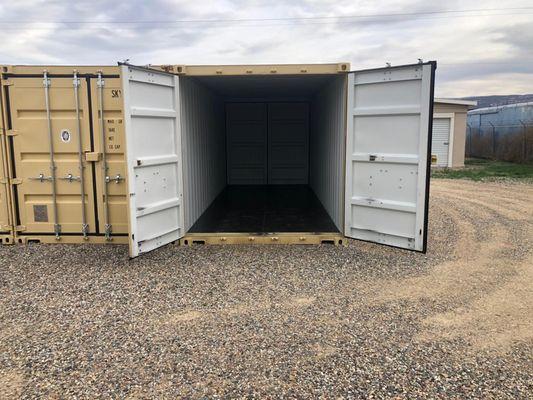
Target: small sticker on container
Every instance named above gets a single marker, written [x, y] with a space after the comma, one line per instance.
[40, 213]
[65, 135]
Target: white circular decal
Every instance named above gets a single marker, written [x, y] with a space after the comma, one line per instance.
[65, 135]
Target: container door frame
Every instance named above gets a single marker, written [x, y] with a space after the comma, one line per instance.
[403, 230]
[153, 158]
[6, 223]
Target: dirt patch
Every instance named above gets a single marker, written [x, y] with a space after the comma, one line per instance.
[302, 301]
[11, 384]
[496, 321]
[491, 274]
[182, 316]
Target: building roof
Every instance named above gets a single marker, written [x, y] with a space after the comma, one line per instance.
[456, 101]
[495, 109]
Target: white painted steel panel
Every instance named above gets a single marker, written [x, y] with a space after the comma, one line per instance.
[327, 147]
[440, 144]
[204, 147]
[288, 143]
[387, 153]
[153, 157]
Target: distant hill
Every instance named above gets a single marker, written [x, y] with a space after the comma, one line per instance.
[491, 101]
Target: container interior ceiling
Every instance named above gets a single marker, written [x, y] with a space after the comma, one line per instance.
[263, 153]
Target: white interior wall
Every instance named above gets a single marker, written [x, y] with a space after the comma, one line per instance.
[327, 147]
[204, 150]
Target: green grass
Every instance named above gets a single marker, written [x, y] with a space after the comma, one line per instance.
[480, 170]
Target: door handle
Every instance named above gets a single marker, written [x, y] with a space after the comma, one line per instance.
[70, 178]
[116, 179]
[41, 178]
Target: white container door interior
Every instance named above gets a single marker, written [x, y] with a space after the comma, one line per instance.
[153, 155]
[441, 141]
[387, 155]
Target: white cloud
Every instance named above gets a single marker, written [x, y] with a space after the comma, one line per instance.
[476, 54]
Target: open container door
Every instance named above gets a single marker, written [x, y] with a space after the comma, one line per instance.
[388, 149]
[153, 157]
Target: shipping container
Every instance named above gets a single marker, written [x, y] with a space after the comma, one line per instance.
[221, 154]
[55, 134]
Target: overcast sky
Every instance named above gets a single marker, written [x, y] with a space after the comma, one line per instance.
[478, 52]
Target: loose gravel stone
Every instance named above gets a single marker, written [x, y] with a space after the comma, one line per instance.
[84, 321]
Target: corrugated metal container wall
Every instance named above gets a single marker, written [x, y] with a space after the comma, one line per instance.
[58, 152]
[204, 150]
[328, 148]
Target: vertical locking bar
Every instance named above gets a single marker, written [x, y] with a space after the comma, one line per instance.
[84, 225]
[46, 84]
[100, 84]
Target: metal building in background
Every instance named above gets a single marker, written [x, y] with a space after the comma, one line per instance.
[502, 132]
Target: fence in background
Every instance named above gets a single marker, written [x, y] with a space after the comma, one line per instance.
[512, 142]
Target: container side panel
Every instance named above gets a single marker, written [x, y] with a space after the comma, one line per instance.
[288, 143]
[327, 148]
[388, 137]
[114, 146]
[31, 151]
[154, 158]
[247, 143]
[204, 147]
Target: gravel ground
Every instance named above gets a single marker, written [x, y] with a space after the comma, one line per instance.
[282, 321]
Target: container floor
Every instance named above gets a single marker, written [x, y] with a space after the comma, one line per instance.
[264, 209]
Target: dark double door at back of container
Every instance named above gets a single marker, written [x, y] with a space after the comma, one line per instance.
[267, 143]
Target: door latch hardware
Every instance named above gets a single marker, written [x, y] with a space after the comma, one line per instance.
[41, 178]
[116, 179]
[70, 178]
[57, 231]
[20, 228]
[372, 157]
[85, 231]
[92, 156]
[8, 132]
[107, 232]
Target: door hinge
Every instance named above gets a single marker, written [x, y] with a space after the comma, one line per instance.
[4, 181]
[20, 228]
[7, 83]
[15, 181]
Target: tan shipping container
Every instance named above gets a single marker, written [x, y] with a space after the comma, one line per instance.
[49, 110]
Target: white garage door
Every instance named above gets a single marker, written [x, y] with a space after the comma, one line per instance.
[441, 141]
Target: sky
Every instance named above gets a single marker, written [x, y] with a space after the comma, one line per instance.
[481, 47]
